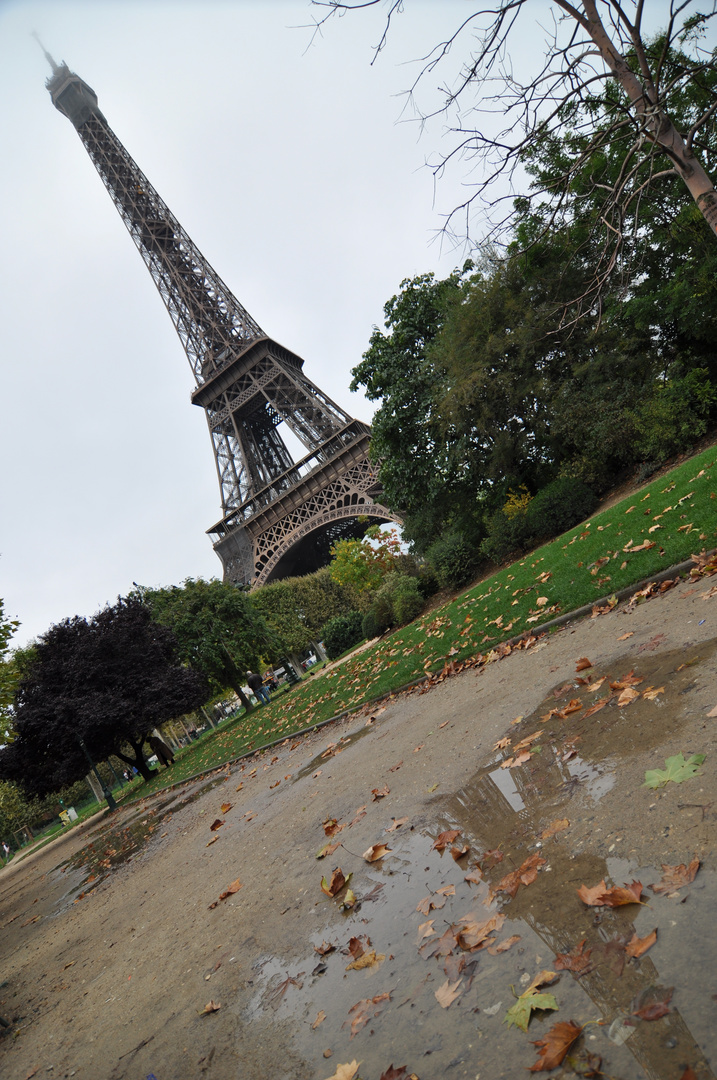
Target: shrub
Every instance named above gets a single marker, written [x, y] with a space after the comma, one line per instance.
[341, 632]
[504, 535]
[675, 416]
[408, 601]
[453, 559]
[370, 627]
[557, 507]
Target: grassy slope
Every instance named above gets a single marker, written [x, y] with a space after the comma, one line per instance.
[586, 563]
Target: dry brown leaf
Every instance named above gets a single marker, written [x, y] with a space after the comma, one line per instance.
[335, 884]
[630, 633]
[653, 1002]
[444, 839]
[637, 946]
[233, 888]
[628, 695]
[631, 679]
[447, 993]
[504, 945]
[583, 663]
[345, 1072]
[553, 1048]
[324, 948]
[212, 841]
[599, 704]
[475, 876]
[425, 930]
[527, 740]
[375, 852]
[379, 793]
[447, 890]
[651, 693]
[554, 827]
[429, 903]
[216, 824]
[320, 1017]
[601, 896]
[460, 852]
[472, 934]
[675, 877]
[394, 768]
[226, 807]
[397, 823]
[210, 1007]
[502, 743]
[328, 849]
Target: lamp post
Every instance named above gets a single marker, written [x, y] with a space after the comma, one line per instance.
[112, 805]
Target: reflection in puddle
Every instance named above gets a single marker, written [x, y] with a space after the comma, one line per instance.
[505, 811]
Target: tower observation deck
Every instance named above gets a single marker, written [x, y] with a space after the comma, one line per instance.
[279, 516]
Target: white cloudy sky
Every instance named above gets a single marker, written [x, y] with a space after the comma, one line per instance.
[287, 162]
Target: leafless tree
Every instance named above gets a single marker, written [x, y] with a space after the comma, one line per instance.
[603, 72]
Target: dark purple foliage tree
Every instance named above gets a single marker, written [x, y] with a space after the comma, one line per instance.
[105, 681]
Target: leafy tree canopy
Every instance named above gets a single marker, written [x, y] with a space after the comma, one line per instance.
[363, 564]
[297, 608]
[105, 681]
[218, 629]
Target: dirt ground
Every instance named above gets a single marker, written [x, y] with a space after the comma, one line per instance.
[114, 938]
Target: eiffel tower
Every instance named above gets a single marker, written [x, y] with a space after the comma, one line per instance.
[279, 516]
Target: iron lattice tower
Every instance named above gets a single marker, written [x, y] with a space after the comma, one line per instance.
[279, 516]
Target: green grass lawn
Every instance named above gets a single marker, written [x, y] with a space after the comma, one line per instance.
[661, 525]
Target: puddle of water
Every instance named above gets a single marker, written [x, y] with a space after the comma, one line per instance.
[507, 810]
[330, 751]
[116, 842]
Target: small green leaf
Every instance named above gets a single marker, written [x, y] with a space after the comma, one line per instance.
[519, 1014]
[677, 770]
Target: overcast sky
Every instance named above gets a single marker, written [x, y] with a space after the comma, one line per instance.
[289, 164]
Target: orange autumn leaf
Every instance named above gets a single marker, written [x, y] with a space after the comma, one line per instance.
[335, 883]
[494, 950]
[554, 827]
[583, 663]
[526, 874]
[675, 877]
[527, 740]
[447, 993]
[444, 839]
[553, 1048]
[233, 888]
[216, 824]
[226, 807]
[628, 695]
[379, 793]
[397, 823]
[577, 960]
[472, 934]
[638, 946]
[601, 896]
[460, 852]
[502, 743]
[599, 704]
[365, 1010]
[575, 705]
[631, 679]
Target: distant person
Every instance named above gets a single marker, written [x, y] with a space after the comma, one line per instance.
[7, 850]
[160, 748]
[256, 685]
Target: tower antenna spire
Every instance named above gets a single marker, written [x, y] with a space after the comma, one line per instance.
[48, 56]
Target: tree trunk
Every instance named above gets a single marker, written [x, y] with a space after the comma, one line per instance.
[241, 695]
[138, 761]
[654, 120]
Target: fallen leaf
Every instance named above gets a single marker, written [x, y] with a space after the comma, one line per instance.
[583, 663]
[554, 827]
[345, 1072]
[653, 1002]
[631, 679]
[419, 747]
[233, 888]
[210, 1007]
[397, 823]
[321, 1016]
[356, 946]
[394, 768]
[504, 945]
[599, 704]
[226, 807]
[502, 743]
[628, 695]
[216, 824]
[324, 948]
[432, 789]
[460, 852]
[630, 633]
[475, 876]
[553, 1048]
[444, 724]
[637, 946]
[397, 1074]
[677, 769]
[471, 934]
[577, 960]
[675, 877]
[425, 930]
[335, 884]
[379, 793]
[601, 896]
[375, 852]
[212, 841]
[240, 786]
[349, 899]
[447, 993]
[526, 874]
[527, 740]
[444, 839]
[330, 826]
[651, 693]
[366, 960]
[519, 1014]
[491, 858]
[365, 1010]
[328, 849]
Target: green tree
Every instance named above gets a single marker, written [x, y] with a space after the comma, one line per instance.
[218, 630]
[9, 673]
[363, 564]
[297, 608]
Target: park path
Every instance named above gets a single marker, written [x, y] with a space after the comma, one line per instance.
[115, 939]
